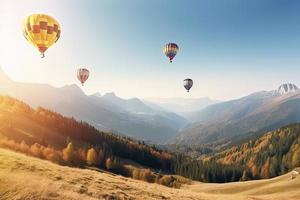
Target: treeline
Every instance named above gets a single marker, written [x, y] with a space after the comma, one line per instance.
[205, 170]
[275, 153]
[81, 157]
[67, 156]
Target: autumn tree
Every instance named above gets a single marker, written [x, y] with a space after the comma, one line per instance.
[51, 154]
[68, 153]
[24, 147]
[36, 150]
[146, 175]
[92, 157]
[136, 173]
[81, 155]
[296, 158]
[109, 163]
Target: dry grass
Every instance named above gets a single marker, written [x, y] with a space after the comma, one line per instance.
[23, 177]
[282, 187]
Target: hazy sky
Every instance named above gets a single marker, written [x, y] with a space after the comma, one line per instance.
[230, 48]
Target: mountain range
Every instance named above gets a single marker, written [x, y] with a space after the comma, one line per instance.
[166, 120]
[225, 122]
[130, 117]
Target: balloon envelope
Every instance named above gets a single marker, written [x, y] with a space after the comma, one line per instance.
[83, 74]
[170, 50]
[42, 31]
[187, 83]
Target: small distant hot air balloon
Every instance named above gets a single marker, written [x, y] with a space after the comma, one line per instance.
[187, 83]
[42, 31]
[170, 50]
[83, 75]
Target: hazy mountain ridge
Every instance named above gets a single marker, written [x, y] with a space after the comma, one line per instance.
[258, 112]
[107, 113]
[181, 106]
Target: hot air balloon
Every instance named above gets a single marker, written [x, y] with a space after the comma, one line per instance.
[170, 50]
[188, 83]
[83, 75]
[42, 31]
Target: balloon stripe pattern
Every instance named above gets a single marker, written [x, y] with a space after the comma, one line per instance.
[187, 83]
[170, 50]
[41, 30]
[82, 75]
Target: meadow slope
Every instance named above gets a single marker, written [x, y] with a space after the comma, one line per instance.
[24, 177]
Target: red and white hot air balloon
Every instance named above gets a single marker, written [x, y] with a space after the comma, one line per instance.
[83, 74]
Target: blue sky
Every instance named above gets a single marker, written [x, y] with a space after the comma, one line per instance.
[230, 48]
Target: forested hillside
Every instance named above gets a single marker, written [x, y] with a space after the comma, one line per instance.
[270, 155]
[49, 135]
[273, 154]
[20, 122]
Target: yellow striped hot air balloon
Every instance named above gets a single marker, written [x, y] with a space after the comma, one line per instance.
[42, 31]
[170, 50]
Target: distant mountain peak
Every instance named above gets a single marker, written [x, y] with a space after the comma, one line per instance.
[72, 89]
[287, 88]
[135, 100]
[110, 94]
[71, 86]
[97, 94]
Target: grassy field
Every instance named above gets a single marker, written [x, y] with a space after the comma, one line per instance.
[24, 177]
